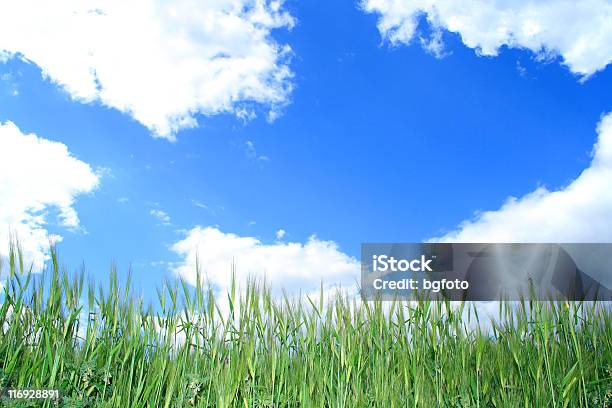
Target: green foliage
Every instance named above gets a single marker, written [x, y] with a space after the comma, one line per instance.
[260, 351]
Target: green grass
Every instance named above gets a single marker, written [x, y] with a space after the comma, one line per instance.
[301, 352]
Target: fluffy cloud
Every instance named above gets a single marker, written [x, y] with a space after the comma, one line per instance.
[35, 175]
[579, 31]
[160, 62]
[293, 266]
[580, 212]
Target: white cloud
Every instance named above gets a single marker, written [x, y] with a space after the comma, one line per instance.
[160, 62]
[36, 175]
[579, 31]
[579, 212]
[280, 234]
[161, 215]
[293, 266]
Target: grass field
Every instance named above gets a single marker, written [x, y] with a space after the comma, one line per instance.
[302, 352]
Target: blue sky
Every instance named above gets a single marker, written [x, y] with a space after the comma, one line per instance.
[377, 142]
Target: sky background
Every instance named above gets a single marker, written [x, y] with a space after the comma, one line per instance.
[377, 141]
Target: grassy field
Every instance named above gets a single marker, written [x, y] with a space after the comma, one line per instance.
[308, 352]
